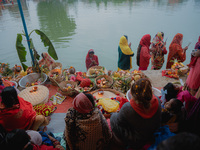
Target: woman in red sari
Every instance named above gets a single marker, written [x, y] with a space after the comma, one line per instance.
[143, 53]
[176, 51]
[193, 80]
[91, 59]
[16, 113]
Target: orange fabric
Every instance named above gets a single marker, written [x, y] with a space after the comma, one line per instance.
[145, 113]
[20, 116]
[176, 50]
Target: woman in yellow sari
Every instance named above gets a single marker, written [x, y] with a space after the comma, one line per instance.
[125, 54]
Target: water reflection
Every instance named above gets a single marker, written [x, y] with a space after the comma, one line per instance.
[172, 2]
[130, 2]
[54, 20]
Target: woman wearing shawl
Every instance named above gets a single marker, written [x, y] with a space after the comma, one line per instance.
[192, 82]
[176, 51]
[143, 52]
[138, 119]
[91, 59]
[86, 128]
[46, 60]
[158, 50]
[16, 113]
[125, 54]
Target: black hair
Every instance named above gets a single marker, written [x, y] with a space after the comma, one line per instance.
[2, 137]
[126, 37]
[176, 106]
[162, 34]
[17, 139]
[181, 141]
[9, 96]
[91, 98]
[42, 55]
[1, 81]
[141, 90]
[171, 92]
[92, 52]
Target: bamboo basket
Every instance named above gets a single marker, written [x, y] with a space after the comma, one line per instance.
[88, 89]
[96, 68]
[108, 78]
[58, 79]
[107, 93]
[57, 65]
[67, 92]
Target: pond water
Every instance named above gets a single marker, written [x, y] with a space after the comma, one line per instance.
[75, 26]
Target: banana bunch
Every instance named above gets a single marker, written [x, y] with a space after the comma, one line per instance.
[122, 85]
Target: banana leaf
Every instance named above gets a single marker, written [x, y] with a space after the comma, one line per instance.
[47, 42]
[21, 51]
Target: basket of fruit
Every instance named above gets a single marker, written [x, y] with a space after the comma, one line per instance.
[68, 73]
[104, 81]
[179, 68]
[120, 74]
[68, 88]
[55, 76]
[96, 71]
[56, 65]
[85, 85]
[122, 85]
[137, 74]
[32, 79]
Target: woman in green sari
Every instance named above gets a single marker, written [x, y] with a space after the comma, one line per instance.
[125, 54]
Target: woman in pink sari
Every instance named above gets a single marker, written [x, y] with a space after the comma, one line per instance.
[91, 59]
[193, 80]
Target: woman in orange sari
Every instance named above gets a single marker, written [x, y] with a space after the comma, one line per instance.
[16, 113]
[176, 51]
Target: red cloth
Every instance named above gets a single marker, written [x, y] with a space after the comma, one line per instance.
[197, 44]
[194, 76]
[85, 82]
[164, 73]
[88, 60]
[121, 100]
[20, 116]
[145, 52]
[44, 147]
[82, 104]
[194, 59]
[185, 96]
[145, 113]
[1, 88]
[142, 68]
[176, 51]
